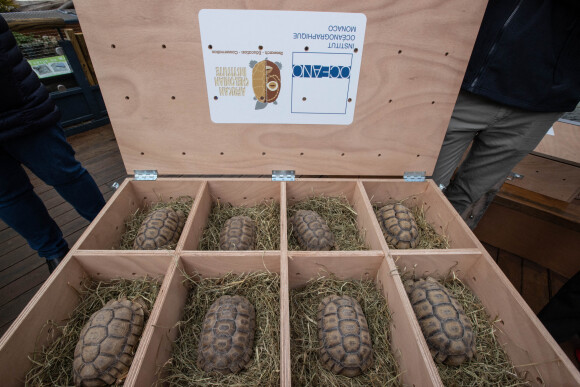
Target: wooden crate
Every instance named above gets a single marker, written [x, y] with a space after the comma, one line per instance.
[148, 58]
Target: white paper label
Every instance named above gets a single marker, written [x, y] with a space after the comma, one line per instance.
[282, 67]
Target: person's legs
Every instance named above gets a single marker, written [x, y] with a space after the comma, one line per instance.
[50, 157]
[471, 115]
[22, 209]
[494, 153]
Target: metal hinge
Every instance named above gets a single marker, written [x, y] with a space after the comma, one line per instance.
[514, 176]
[283, 175]
[414, 176]
[145, 174]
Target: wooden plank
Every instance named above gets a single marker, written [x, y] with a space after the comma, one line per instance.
[563, 145]
[511, 265]
[11, 310]
[535, 287]
[549, 245]
[492, 251]
[28, 25]
[548, 177]
[83, 46]
[409, 81]
[285, 343]
[70, 34]
[21, 285]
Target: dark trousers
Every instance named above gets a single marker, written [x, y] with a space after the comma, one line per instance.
[49, 156]
[500, 137]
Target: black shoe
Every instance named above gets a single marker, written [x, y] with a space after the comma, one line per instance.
[52, 264]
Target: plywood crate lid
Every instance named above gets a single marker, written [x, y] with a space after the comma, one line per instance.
[149, 61]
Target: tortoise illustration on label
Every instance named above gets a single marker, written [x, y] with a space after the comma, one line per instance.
[266, 82]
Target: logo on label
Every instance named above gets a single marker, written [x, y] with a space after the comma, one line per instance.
[265, 82]
[319, 71]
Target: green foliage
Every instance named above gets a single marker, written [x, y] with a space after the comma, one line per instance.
[7, 5]
[23, 38]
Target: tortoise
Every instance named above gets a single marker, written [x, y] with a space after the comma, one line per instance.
[107, 343]
[398, 226]
[238, 233]
[160, 228]
[227, 336]
[266, 82]
[443, 321]
[345, 342]
[311, 231]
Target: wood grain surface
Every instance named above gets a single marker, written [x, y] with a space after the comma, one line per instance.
[147, 56]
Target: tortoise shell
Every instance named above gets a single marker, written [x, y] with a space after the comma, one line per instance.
[107, 343]
[398, 226]
[345, 342]
[443, 321]
[238, 233]
[160, 228]
[266, 81]
[311, 231]
[227, 336]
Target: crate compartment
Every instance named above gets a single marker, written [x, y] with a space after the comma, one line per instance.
[238, 193]
[106, 230]
[57, 298]
[530, 347]
[352, 191]
[150, 358]
[410, 353]
[438, 211]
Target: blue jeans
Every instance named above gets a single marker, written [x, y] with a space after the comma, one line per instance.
[49, 156]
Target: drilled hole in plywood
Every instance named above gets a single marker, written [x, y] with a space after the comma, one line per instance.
[172, 97]
[133, 273]
[215, 97]
[260, 47]
[113, 46]
[390, 100]
[342, 154]
[263, 153]
[126, 97]
[116, 227]
[301, 153]
[400, 52]
[432, 102]
[306, 48]
[297, 273]
[349, 100]
[356, 49]
[183, 153]
[446, 54]
[418, 155]
[222, 153]
[142, 153]
[98, 273]
[163, 46]
[379, 155]
[210, 46]
[245, 197]
[474, 278]
[303, 98]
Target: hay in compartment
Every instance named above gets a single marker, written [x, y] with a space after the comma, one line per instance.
[428, 237]
[262, 289]
[134, 221]
[307, 369]
[340, 217]
[267, 218]
[52, 365]
[491, 365]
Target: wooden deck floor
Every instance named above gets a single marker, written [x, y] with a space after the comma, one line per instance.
[22, 271]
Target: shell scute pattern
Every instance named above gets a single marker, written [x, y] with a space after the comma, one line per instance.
[446, 327]
[398, 226]
[107, 343]
[311, 231]
[227, 336]
[345, 341]
[238, 233]
[160, 228]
